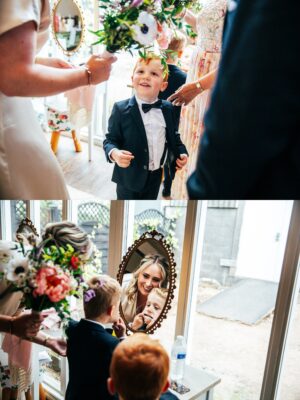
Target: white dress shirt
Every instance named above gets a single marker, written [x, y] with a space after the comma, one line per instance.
[155, 127]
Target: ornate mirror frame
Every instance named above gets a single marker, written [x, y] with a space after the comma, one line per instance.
[171, 278]
[26, 232]
[65, 51]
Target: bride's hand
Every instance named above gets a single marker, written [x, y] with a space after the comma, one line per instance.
[100, 68]
[184, 95]
[58, 345]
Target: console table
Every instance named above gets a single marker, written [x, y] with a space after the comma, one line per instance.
[200, 382]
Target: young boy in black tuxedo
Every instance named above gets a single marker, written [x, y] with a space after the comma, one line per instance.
[89, 345]
[141, 130]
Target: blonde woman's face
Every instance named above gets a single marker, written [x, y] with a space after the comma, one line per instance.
[148, 279]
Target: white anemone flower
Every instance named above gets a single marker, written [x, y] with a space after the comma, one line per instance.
[145, 31]
[17, 270]
[6, 254]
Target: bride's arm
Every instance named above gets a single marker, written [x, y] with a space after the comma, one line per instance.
[53, 62]
[21, 76]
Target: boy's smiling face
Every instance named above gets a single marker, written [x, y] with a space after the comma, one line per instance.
[148, 80]
[154, 306]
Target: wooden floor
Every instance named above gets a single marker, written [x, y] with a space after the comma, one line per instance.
[86, 178]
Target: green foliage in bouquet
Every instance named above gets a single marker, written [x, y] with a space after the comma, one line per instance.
[46, 275]
[135, 24]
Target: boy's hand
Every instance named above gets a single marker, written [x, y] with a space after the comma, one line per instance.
[119, 328]
[138, 321]
[181, 162]
[148, 320]
[122, 157]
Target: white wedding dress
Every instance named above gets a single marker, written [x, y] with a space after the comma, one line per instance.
[28, 168]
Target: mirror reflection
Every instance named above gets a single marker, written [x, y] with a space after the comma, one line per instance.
[26, 233]
[147, 279]
[68, 25]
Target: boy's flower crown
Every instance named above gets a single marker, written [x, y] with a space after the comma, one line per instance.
[147, 56]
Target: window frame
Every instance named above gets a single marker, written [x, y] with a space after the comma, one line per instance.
[192, 245]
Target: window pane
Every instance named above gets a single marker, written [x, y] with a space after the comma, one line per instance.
[50, 211]
[18, 212]
[168, 218]
[93, 216]
[240, 268]
[290, 388]
[51, 370]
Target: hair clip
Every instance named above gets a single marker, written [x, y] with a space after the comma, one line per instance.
[100, 283]
[88, 295]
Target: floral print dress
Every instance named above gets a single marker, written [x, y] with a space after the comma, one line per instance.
[205, 59]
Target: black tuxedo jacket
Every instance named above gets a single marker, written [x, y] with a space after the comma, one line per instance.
[126, 131]
[251, 144]
[89, 352]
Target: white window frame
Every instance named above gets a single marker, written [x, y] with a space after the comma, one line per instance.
[192, 243]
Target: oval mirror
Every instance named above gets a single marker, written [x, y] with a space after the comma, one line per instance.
[68, 25]
[147, 276]
[26, 232]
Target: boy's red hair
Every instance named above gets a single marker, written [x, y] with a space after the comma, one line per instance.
[152, 56]
[139, 368]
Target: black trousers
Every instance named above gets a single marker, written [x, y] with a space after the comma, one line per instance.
[149, 192]
[169, 175]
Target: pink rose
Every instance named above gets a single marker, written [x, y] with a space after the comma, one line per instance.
[53, 282]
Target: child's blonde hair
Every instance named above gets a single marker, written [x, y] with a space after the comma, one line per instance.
[161, 292]
[177, 42]
[139, 368]
[152, 56]
[100, 295]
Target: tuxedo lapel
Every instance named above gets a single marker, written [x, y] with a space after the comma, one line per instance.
[168, 117]
[136, 116]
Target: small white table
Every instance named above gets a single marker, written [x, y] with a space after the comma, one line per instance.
[200, 382]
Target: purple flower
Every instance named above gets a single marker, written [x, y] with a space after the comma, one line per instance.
[88, 295]
[136, 3]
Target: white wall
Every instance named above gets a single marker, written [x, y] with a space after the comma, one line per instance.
[263, 237]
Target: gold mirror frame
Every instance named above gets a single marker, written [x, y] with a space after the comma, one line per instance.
[26, 232]
[171, 278]
[82, 38]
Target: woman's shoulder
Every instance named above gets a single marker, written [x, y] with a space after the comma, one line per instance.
[14, 13]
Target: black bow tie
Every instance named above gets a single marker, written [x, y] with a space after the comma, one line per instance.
[147, 107]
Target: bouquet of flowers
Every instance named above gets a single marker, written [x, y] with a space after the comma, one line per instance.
[45, 274]
[135, 24]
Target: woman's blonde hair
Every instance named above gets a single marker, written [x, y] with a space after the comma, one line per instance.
[148, 260]
[65, 232]
[100, 295]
